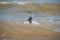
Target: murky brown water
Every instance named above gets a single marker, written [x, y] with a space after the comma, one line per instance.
[12, 25]
[14, 31]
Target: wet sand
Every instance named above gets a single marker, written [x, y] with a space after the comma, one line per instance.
[13, 31]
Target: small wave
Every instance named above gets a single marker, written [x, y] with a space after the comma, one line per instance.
[13, 2]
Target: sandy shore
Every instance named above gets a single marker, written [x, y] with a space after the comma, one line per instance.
[13, 31]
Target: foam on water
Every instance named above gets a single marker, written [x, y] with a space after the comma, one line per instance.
[33, 22]
[14, 2]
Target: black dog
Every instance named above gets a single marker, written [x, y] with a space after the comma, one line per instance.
[30, 20]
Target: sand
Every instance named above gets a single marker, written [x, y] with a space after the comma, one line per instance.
[13, 31]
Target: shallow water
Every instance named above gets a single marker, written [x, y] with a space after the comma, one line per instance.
[17, 13]
[12, 25]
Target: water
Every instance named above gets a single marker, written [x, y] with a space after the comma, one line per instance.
[38, 1]
[17, 13]
[12, 20]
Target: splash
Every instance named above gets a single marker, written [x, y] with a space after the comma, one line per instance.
[33, 22]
